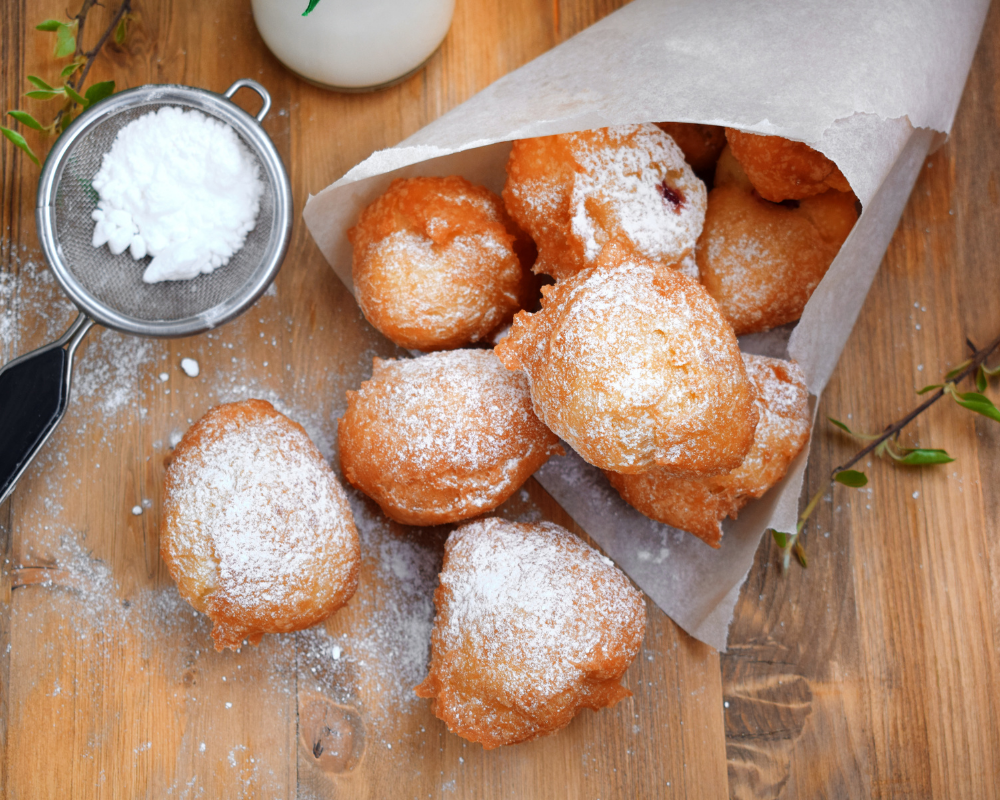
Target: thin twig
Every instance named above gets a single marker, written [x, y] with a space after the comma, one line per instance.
[975, 362]
[978, 357]
[90, 55]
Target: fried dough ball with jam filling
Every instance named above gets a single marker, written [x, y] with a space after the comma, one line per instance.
[632, 364]
[443, 437]
[781, 169]
[257, 531]
[532, 625]
[575, 192]
[439, 264]
[699, 505]
[701, 144]
[762, 261]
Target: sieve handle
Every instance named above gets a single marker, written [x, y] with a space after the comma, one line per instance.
[249, 84]
[34, 394]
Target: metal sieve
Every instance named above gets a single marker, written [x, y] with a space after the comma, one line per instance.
[108, 289]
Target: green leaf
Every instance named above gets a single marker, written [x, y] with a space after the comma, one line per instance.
[45, 94]
[48, 25]
[66, 39]
[781, 539]
[920, 457]
[980, 403]
[865, 436]
[99, 91]
[312, 5]
[37, 82]
[71, 67]
[26, 119]
[851, 477]
[991, 372]
[840, 425]
[981, 382]
[75, 96]
[122, 30]
[800, 554]
[930, 388]
[64, 121]
[954, 373]
[19, 141]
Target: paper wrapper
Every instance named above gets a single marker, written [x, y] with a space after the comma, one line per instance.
[873, 85]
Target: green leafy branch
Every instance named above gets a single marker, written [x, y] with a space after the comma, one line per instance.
[886, 444]
[69, 88]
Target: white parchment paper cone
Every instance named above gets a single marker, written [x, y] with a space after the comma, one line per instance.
[873, 85]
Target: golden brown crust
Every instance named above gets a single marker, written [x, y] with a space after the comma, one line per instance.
[438, 263]
[576, 192]
[701, 144]
[443, 437]
[699, 505]
[761, 261]
[257, 531]
[532, 625]
[632, 365]
[781, 169]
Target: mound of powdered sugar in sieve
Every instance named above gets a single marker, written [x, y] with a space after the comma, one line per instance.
[178, 186]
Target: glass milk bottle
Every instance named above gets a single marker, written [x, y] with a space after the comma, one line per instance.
[353, 45]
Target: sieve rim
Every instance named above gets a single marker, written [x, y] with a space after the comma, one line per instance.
[250, 131]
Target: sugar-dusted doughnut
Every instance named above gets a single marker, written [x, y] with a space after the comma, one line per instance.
[699, 505]
[701, 144]
[438, 263]
[761, 261]
[257, 532]
[532, 625]
[781, 169]
[633, 365]
[443, 437]
[575, 192]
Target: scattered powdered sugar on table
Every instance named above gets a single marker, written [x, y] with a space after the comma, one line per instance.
[179, 186]
[376, 663]
[191, 367]
[107, 371]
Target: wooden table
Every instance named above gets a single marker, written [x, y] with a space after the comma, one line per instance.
[874, 673]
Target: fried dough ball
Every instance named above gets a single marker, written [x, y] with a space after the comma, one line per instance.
[699, 505]
[632, 364]
[256, 530]
[532, 625]
[781, 169]
[762, 261]
[701, 144]
[438, 263]
[443, 437]
[575, 192]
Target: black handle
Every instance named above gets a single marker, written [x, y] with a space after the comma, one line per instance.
[34, 393]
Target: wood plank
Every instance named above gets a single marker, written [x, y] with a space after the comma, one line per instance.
[107, 666]
[875, 672]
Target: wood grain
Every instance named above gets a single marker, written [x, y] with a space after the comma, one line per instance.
[110, 687]
[875, 672]
[872, 674]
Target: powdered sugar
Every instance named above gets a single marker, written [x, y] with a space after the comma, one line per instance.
[257, 500]
[632, 365]
[446, 434]
[625, 176]
[536, 608]
[179, 186]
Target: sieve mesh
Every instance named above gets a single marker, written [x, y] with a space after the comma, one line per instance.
[116, 281]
